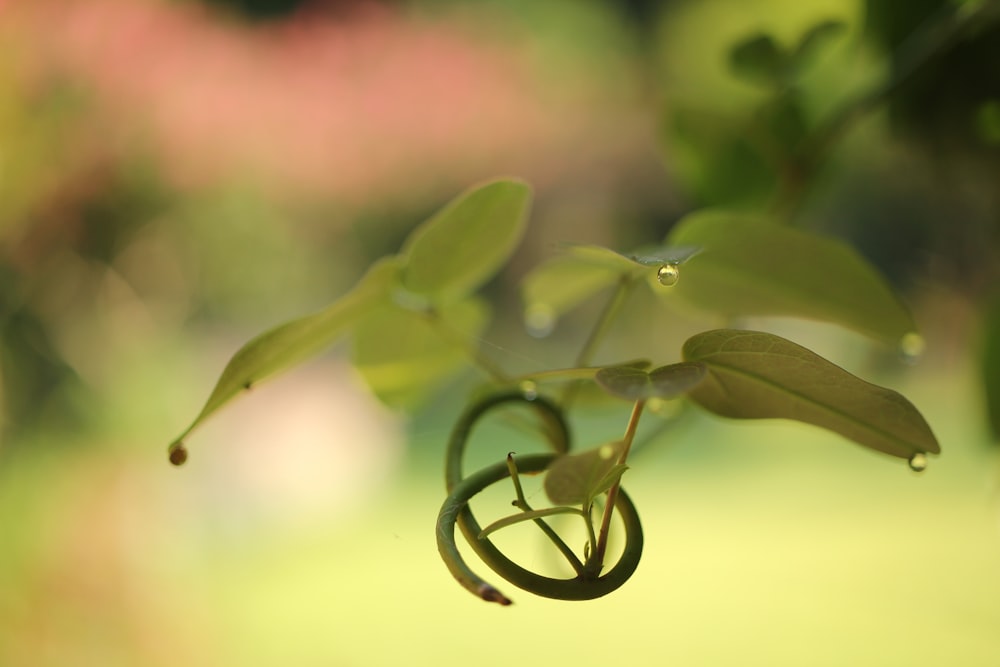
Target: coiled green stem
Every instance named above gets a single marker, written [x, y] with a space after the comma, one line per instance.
[587, 585]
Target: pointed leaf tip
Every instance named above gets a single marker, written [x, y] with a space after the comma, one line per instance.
[297, 340]
[758, 59]
[756, 375]
[466, 242]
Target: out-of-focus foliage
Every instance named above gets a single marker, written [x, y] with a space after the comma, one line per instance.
[989, 348]
[938, 103]
[761, 60]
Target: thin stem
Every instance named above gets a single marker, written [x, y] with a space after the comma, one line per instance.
[462, 342]
[527, 515]
[598, 333]
[603, 324]
[602, 539]
[522, 504]
[581, 373]
[588, 518]
[661, 427]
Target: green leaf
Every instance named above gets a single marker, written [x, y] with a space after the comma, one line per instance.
[576, 479]
[718, 157]
[558, 285]
[529, 515]
[752, 267]
[465, 243]
[609, 259]
[607, 480]
[753, 375]
[758, 59]
[657, 256]
[404, 355]
[634, 264]
[988, 122]
[783, 118]
[634, 383]
[296, 340]
[814, 41]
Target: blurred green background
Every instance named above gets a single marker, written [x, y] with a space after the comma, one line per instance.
[176, 176]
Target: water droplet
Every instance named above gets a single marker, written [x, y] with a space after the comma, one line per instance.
[668, 274]
[178, 455]
[911, 346]
[529, 389]
[918, 462]
[539, 319]
[663, 408]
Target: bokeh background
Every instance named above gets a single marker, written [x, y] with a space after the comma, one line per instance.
[176, 176]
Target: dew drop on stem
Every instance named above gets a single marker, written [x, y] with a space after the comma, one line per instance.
[666, 409]
[668, 274]
[918, 462]
[529, 389]
[911, 346]
[539, 319]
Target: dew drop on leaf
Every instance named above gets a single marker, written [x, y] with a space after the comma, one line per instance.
[668, 274]
[911, 346]
[528, 389]
[539, 319]
[918, 462]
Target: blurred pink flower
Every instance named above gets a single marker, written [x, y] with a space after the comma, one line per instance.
[312, 104]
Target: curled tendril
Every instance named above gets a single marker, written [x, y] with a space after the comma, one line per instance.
[588, 584]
